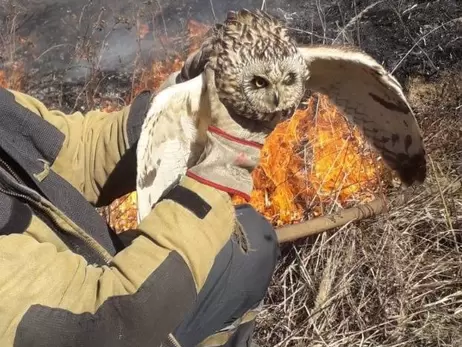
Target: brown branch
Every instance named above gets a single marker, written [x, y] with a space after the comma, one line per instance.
[317, 225]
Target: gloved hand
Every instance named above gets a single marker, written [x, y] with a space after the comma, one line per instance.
[227, 163]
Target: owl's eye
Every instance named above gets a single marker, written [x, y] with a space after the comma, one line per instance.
[259, 82]
[290, 79]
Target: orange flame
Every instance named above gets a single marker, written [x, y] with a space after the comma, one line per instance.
[3, 79]
[314, 160]
[12, 79]
[196, 33]
[143, 30]
[153, 77]
[122, 213]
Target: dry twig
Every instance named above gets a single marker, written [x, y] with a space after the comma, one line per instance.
[317, 225]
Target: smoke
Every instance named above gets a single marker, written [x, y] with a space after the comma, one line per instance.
[72, 38]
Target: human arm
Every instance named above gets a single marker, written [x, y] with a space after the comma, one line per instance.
[135, 300]
[98, 153]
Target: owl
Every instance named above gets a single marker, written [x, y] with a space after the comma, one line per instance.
[250, 79]
[249, 75]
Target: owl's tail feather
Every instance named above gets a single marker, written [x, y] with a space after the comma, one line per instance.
[195, 63]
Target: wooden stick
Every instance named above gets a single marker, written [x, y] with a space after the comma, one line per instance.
[317, 225]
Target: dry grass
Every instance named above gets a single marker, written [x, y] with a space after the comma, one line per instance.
[394, 280]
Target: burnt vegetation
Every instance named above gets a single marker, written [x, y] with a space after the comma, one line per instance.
[392, 280]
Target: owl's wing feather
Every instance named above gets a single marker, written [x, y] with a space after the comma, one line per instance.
[372, 99]
[168, 134]
[171, 156]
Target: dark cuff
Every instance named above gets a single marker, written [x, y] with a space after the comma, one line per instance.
[138, 111]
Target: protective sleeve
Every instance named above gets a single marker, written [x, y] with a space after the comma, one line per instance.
[98, 156]
[53, 297]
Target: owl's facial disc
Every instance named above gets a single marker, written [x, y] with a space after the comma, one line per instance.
[273, 88]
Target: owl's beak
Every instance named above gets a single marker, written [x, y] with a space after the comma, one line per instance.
[276, 98]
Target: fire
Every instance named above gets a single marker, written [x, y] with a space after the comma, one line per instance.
[12, 79]
[143, 30]
[152, 77]
[121, 214]
[196, 32]
[310, 164]
[3, 79]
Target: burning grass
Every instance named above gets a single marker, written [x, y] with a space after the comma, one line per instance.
[314, 163]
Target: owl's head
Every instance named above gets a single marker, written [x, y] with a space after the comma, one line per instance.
[259, 73]
[272, 88]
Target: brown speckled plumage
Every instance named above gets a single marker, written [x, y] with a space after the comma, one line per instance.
[247, 45]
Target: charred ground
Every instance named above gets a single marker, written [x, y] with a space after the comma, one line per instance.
[68, 45]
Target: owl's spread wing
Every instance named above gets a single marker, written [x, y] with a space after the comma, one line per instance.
[168, 134]
[372, 99]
